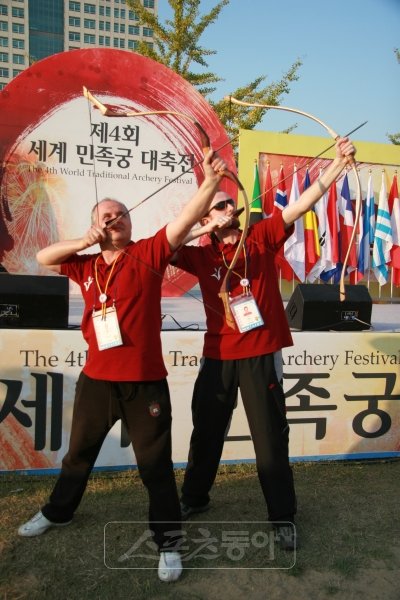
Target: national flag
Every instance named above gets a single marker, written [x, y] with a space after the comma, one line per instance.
[294, 246]
[367, 226]
[324, 238]
[394, 209]
[346, 224]
[383, 240]
[333, 219]
[268, 196]
[255, 207]
[335, 268]
[281, 194]
[311, 237]
[285, 269]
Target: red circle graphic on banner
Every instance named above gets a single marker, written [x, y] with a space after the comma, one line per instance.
[57, 159]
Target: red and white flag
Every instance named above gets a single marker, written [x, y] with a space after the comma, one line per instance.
[394, 209]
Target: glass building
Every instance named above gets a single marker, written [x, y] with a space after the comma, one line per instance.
[33, 29]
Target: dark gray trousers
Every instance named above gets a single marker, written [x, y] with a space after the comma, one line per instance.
[214, 399]
[98, 405]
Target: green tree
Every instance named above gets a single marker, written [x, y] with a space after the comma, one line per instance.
[395, 137]
[176, 43]
[177, 46]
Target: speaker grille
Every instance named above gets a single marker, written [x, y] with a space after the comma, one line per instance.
[319, 308]
[35, 301]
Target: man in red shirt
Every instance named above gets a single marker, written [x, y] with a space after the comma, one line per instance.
[243, 357]
[124, 376]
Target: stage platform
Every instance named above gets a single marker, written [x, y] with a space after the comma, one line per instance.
[187, 312]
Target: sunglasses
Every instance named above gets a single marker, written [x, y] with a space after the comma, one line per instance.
[223, 204]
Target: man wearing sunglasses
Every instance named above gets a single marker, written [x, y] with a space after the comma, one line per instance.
[222, 204]
[243, 357]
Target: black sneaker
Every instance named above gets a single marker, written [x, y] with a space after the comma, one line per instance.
[286, 535]
[188, 511]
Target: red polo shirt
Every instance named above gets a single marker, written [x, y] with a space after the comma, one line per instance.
[135, 284]
[206, 262]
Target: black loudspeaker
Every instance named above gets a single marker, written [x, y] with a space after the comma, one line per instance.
[35, 301]
[319, 308]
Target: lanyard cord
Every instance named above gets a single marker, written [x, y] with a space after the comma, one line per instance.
[244, 282]
[103, 294]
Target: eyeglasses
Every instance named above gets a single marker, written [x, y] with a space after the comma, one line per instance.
[222, 204]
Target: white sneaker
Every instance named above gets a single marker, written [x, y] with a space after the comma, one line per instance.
[38, 525]
[170, 566]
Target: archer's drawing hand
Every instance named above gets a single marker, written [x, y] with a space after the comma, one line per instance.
[94, 235]
[220, 222]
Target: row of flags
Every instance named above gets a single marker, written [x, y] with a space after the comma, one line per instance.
[321, 239]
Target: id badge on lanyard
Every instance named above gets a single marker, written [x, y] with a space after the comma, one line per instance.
[106, 328]
[245, 312]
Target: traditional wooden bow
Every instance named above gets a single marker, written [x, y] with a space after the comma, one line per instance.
[224, 291]
[335, 136]
[116, 111]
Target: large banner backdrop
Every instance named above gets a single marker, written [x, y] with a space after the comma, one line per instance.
[59, 155]
[342, 393]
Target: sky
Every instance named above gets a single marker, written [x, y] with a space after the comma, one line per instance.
[349, 74]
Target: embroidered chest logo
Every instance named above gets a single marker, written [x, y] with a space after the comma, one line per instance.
[217, 273]
[88, 283]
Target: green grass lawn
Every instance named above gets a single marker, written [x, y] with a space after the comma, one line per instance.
[347, 521]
